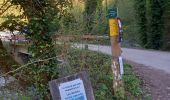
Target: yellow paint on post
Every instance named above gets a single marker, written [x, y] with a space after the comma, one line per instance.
[114, 28]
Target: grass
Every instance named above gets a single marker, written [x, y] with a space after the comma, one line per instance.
[132, 82]
[98, 66]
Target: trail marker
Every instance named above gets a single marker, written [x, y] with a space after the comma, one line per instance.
[117, 63]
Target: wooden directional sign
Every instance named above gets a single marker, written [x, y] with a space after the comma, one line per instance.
[75, 87]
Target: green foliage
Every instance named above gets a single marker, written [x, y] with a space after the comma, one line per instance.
[131, 81]
[42, 48]
[145, 22]
[156, 31]
[100, 20]
[90, 9]
[85, 19]
[43, 17]
[12, 23]
[98, 66]
[166, 18]
[68, 25]
[23, 97]
[90, 6]
[76, 22]
[140, 6]
[150, 21]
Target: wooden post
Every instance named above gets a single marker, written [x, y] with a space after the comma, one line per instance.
[116, 53]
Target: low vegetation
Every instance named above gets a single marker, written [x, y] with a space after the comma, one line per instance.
[98, 67]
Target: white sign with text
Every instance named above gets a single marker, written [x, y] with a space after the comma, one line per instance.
[72, 90]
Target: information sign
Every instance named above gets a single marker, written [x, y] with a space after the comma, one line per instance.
[73, 90]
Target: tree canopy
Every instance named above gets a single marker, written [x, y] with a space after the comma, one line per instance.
[40, 16]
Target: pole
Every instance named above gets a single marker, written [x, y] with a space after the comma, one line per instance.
[118, 89]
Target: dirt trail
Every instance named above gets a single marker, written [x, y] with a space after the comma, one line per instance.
[155, 82]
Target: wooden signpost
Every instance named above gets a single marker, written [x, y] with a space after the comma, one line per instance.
[74, 87]
[116, 52]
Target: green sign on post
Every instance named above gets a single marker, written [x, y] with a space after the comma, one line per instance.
[112, 13]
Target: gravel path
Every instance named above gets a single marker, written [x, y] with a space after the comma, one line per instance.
[156, 59]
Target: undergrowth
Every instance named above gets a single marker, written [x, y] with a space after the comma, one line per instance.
[98, 67]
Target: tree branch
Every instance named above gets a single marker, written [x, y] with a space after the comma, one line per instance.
[5, 3]
[13, 71]
[3, 11]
